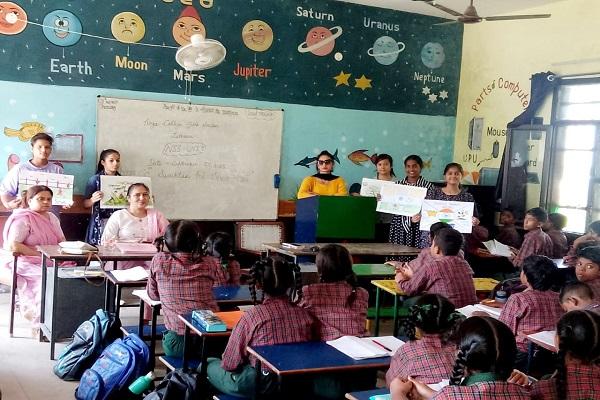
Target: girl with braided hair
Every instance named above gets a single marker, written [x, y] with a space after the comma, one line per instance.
[430, 358]
[336, 302]
[218, 249]
[484, 363]
[180, 278]
[578, 372]
[277, 320]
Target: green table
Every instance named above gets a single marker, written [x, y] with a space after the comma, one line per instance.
[374, 271]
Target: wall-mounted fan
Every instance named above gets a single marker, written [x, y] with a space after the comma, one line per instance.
[200, 54]
[470, 16]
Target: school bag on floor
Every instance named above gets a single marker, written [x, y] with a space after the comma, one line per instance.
[177, 385]
[90, 338]
[120, 363]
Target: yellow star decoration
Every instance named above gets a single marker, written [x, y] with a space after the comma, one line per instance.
[342, 79]
[363, 83]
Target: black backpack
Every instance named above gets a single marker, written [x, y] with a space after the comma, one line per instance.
[177, 385]
[90, 338]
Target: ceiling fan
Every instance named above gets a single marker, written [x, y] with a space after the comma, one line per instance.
[470, 16]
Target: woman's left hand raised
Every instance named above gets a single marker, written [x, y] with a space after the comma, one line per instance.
[475, 221]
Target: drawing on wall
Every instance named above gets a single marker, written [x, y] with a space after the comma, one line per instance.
[432, 97]
[189, 23]
[61, 185]
[307, 161]
[359, 157]
[386, 50]
[62, 28]
[401, 199]
[320, 40]
[206, 3]
[28, 130]
[13, 18]
[115, 188]
[427, 163]
[128, 27]
[433, 55]
[257, 35]
[457, 214]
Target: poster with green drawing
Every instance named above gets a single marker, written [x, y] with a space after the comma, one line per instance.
[114, 190]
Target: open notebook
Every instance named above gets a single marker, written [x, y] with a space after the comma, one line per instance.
[367, 347]
[468, 311]
[131, 274]
[498, 249]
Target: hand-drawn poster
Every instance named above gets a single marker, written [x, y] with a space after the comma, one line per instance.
[114, 190]
[457, 214]
[61, 185]
[401, 199]
[372, 187]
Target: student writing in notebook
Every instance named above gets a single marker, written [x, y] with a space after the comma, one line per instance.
[276, 320]
[535, 309]
[447, 273]
[429, 358]
[578, 296]
[109, 163]
[181, 279]
[578, 373]
[482, 369]
[337, 302]
[218, 249]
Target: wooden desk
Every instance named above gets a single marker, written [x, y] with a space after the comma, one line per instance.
[388, 286]
[484, 285]
[366, 394]
[113, 303]
[355, 249]
[155, 306]
[54, 254]
[234, 295]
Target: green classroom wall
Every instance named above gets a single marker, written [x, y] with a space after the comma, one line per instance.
[408, 106]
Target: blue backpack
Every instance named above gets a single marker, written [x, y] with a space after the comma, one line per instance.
[119, 364]
[90, 338]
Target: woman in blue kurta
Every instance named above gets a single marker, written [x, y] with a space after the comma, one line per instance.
[108, 164]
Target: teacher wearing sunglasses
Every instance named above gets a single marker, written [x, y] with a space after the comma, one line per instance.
[323, 183]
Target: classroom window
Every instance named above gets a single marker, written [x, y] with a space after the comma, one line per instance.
[575, 169]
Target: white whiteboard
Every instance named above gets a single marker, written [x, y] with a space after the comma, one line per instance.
[206, 162]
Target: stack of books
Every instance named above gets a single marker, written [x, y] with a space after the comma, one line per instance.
[208, 321]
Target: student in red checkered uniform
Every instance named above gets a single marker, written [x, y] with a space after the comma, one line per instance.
[447, 274]
[536, 241]
[578, 296]
[277, 320]
[425, 254]
[587, 268]
[484, 364]
[578, 373]
[180, 278]
[218, 249]
[590, 238]
[430, 358]
[535, 309]
[337, 303]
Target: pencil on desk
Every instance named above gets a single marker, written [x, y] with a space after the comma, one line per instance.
[381, 345]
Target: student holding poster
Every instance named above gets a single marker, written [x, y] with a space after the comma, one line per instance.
[41, 148]
[405, 230]
[452, 191]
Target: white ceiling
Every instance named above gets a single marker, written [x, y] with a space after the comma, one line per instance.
[485, 8]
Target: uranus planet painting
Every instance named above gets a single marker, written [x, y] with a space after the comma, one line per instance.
[385, 50]
[62, 28]
[433, 55]
[320, 41]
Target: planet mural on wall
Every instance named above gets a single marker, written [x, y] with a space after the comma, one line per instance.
[13, 19]
[62, 28]
[385, 50]
[433, 55]
[320, 40]
[257, 35]
[189, 23]
[128, 27]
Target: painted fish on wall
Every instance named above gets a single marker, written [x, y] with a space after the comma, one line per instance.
[306, 161]
[359, 156]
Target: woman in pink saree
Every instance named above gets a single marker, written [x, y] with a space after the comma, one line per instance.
[136, 223]
[25, 229]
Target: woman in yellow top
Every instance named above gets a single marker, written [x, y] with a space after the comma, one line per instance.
[323, 183]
